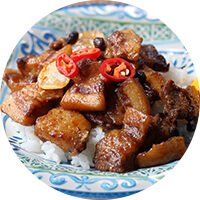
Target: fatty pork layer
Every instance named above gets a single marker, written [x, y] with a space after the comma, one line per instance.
[67, 129]
[25, 105]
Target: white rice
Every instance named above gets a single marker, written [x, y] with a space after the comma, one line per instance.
[50, 151]
[179, 76]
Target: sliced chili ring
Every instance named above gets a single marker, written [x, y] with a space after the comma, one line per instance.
[117, 69]
[91, 53]
[66, 65]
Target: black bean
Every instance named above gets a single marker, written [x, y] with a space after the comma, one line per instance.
[191, 126]
[141, 76]
[99, 43]
[72, 37]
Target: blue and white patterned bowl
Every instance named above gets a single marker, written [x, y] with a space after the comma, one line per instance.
[107, 18]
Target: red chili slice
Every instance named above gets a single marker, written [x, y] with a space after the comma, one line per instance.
[66, 65]
[91, 53]
[117, 69]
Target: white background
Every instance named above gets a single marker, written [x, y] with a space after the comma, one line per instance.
[17, 17]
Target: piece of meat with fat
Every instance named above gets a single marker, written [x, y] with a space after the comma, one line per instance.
[113, 116]
[25, 105]
[160, 129]
[58, 44]
[149, 56]
[163, 153]
[116, 151]
[179, 103]
[88, 92]
[67, 129]
[132, 94]
[15, 80]
[86, 40]
[153, 78]
[30, 65]
[124, 44]
[127, 94]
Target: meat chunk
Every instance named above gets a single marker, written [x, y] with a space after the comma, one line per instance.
[160, 129]
[127, 94]
[155, 80]
[87, 94]
[136, 123]
[15, 80]
[58, 44]
[125, 44]
[151, 94]
[30, 65]
[85, 40]
[67, 129]
[113, 116]
[116, 151]
[149, 56]
[25, 105]
[179, 103]
[194, 97]
[132, 94]
[165, 152]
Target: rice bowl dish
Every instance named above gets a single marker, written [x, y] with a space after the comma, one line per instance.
[50, 156]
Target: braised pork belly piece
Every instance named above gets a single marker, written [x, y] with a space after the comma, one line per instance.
[58, 44]
[88, 92]
[132, 94]
[67, 129]
[25, 105]
[129, 93]
[180, 103]
[86, 40]
[165, 152]
[113, 116]
[149, 56]
[155, 80]
[15, 80]
[116, 151]
[160, 129]
[30, 65]
[124, 44]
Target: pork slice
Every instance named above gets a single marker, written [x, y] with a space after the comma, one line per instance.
[160, 129]
[155, 79]
[25, 105]
[179, 103]
[88, 92]
[67, 129]
[165, 152]
[125, 44]
[15, 80]
[149, 56]
[132, 94]
[116, 151]
[30, 65]
[113, 116]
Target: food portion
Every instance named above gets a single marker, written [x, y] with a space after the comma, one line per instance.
[67, 129]
[86, 84]
[116, 151]
[25, 105]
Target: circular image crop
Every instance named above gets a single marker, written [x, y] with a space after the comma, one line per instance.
[99, 100]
